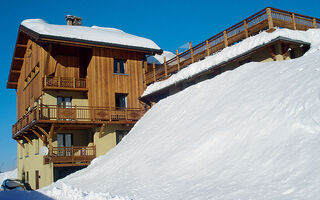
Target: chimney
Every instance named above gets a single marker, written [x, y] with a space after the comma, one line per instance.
[73, 20]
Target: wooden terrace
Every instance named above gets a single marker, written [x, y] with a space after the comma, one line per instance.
[71, 156]
[265, 19]
[65, 83]
[48, 114]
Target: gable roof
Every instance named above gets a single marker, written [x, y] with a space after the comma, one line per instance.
[39, 30]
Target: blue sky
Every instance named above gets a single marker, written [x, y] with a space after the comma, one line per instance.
[168, 23]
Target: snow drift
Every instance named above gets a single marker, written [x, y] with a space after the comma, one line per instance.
[13, 174]
[250, 133]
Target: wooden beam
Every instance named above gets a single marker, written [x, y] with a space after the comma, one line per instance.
[271, 51]
[314, 23]
[191, 51]
[50, 140]
[208, 47]
[20, 143]
[26, 138]
[101, 130]
[270, 22]
[43, 131]
[38, 135]
[16, 58]
[22, 45]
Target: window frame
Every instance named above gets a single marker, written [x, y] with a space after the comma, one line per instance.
[119, 95]
[117, 66]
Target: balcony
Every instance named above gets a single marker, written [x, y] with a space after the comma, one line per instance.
[71, 156]
[76, 115]
[64, 83]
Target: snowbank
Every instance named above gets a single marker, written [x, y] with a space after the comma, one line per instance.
[13, 174]
[311, 36]
[94, 33]
[250, 133]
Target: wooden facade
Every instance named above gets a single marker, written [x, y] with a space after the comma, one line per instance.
[72, 88]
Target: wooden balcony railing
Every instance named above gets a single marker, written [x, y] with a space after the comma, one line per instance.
[74, 114]
[50, 82]
[265, 19]
[71, 156]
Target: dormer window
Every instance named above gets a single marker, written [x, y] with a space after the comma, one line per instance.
[119, 66]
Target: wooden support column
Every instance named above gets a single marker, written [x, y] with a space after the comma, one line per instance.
[20, 143]
[101, 130]
[165, 67]
[208, 47]
[26, 138]
[270, 22]
[225, 38]
[154, 72]
[178, 60]
[38, 135]
[293, 20]
[191, 51]
[246, 28]
[314, 23]
[271, 51]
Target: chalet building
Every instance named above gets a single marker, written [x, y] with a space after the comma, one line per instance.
[278, 49]
[77, 94]
[79, 88]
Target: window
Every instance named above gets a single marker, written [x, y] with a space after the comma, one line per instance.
[120, 135]
[64, 102]
[121, 100]
[119, 66]
[64, 140]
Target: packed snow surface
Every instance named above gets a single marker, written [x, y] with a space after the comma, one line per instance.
[13, 174]
[94, 33]
[231, 52]
[159, 59]
[250, 133]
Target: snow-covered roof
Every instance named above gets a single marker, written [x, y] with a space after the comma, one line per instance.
[232, 52]
[94, 34]
[158, 59]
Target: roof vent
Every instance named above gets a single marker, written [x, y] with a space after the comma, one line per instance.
[73, 20]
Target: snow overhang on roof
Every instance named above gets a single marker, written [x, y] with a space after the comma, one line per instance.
[94, 35]
[162, 90]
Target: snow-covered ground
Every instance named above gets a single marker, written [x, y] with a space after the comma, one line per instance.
[250, 133]
[13, 174]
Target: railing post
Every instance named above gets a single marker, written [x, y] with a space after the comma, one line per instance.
[45, 81]
[165, 67]
[270, 22]
[246, 28]
[154, 72]
[59, 80]
[145, 65]
[208, 47]
[191, 51]
[74, 82]
[314, 23]
[72, 154]
[225, 38]
[293, 20]
[76, 112]
[178, 59]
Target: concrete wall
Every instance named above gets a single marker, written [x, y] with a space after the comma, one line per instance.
[32, 161]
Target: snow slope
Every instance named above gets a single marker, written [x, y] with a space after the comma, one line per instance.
[250, 133]
[13, 174]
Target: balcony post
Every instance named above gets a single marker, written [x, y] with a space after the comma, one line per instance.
[59, 81]
[225, 38]
[75, 112]
[178, 59]
[165, 67]
[246, 28]
[208, 47]
[154, 71]
[270, 22]
[314, 23]
[293, 19]
[37, 111]
[191, 51]
[45, 81]
[74, 82]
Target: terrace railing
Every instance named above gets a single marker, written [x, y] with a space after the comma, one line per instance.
[263, 20]
[74, 114]
[50, 82]
[71, 156]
